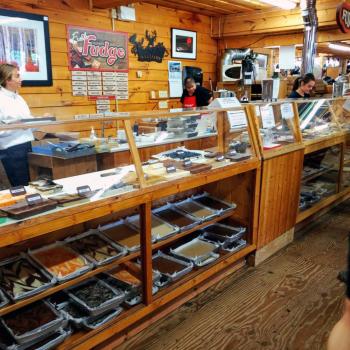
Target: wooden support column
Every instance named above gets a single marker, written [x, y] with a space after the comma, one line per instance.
[220, 117]
[146, 251]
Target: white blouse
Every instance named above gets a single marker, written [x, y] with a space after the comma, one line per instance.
[13, 108]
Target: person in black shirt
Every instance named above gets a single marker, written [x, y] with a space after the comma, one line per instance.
[303, 86]
[195, 95]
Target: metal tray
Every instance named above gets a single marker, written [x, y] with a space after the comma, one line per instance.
[190, 252]
[111, 232]
[75, 243]
[222, 206]
[234, 246]
[229, 233]
[104, 306]
[183, 207]
[138, 298]
[33, 271]
[187, 266]
[157, 223]
[160, 212]
[3, 300]
[95, 322]
[50, 342]
[39, 333]
[88, 266]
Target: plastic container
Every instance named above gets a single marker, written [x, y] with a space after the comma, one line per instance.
[160, 229]
[226, 232]
[96, 248]
[234, 246]
[94, 307]
[122, 233]
[211, 202]
[196, 210]
[61, 261]
[37, 332]
[176, 218]
[20, 278]
[95, 322]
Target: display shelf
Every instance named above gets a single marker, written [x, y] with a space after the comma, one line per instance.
[316, 175]
[80, 340]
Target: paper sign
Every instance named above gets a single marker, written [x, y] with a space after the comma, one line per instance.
[237, 119]
[225, 102]
[268, 118]
[287, 111]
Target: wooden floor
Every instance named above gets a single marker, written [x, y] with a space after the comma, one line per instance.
[289, 302]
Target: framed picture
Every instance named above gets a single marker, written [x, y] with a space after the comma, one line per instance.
[25, 42]
[183, 44]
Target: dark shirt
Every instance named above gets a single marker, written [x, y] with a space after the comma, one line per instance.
[202, 94]
[295, 94]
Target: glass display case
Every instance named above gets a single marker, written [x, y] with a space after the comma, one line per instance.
[277, 127]
[139, 202]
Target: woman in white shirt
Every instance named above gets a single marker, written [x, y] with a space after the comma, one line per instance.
[14, 144]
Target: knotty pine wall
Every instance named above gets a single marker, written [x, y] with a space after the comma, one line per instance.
[58, 99]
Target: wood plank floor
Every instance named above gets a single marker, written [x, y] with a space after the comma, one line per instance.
[291, 301]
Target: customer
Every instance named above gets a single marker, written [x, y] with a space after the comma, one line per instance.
[339, 338]
[14, 144]
[195, 95]
[303, 86]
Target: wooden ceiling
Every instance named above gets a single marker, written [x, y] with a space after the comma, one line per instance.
[205, 7]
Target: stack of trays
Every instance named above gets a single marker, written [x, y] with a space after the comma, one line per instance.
[60, 261]
[214, 203]
[21, 278]
[122, 234]
[36, 326]
[3, 300]
[96, 248]
[229, 238]
[160, 228]
[176, 218]
[95, 297]
[199, 252]
[170, 267]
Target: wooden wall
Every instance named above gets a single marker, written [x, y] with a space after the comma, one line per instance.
[58, 98]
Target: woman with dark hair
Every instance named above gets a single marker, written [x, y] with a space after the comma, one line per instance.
[303, 86]
[195, 95]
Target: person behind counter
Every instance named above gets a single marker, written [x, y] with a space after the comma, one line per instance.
[303, 86]
[14, 144]
[195, 95]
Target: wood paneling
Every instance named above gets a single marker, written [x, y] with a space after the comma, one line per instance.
[280, 188]
[58, 99]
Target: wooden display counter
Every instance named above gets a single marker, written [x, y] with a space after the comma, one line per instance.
[236, 182]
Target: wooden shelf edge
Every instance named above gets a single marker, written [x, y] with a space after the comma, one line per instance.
[98, 336]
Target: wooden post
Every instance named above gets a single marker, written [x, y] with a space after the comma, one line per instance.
[298, 135]
[220, 117]
[146, 251]
[254, 130]
[134, 153]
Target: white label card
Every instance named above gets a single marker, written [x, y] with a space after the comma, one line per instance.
[287, 111]
[237, 119]
[267, 116]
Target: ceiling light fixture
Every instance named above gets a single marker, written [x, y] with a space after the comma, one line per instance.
[283, 4]
[339, 47]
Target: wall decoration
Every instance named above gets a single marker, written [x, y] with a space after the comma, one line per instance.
[149, 52]
[25, 42]
[97, 50]
[183, 44]
[343, 17]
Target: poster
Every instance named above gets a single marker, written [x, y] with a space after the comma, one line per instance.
[175, 78]
[97, 50]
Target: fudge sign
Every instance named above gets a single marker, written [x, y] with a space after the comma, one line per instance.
[343, 17]
[97, 50]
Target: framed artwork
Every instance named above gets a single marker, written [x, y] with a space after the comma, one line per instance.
[25, 42]
[183, 44]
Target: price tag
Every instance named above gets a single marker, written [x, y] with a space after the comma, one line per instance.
[237, 119]
[187, 163]
[33, 199]
[180, 152]
[83, 190]
[17, 191]
[287, 111]
[267, 116]
[170, 169]
[220, 158]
